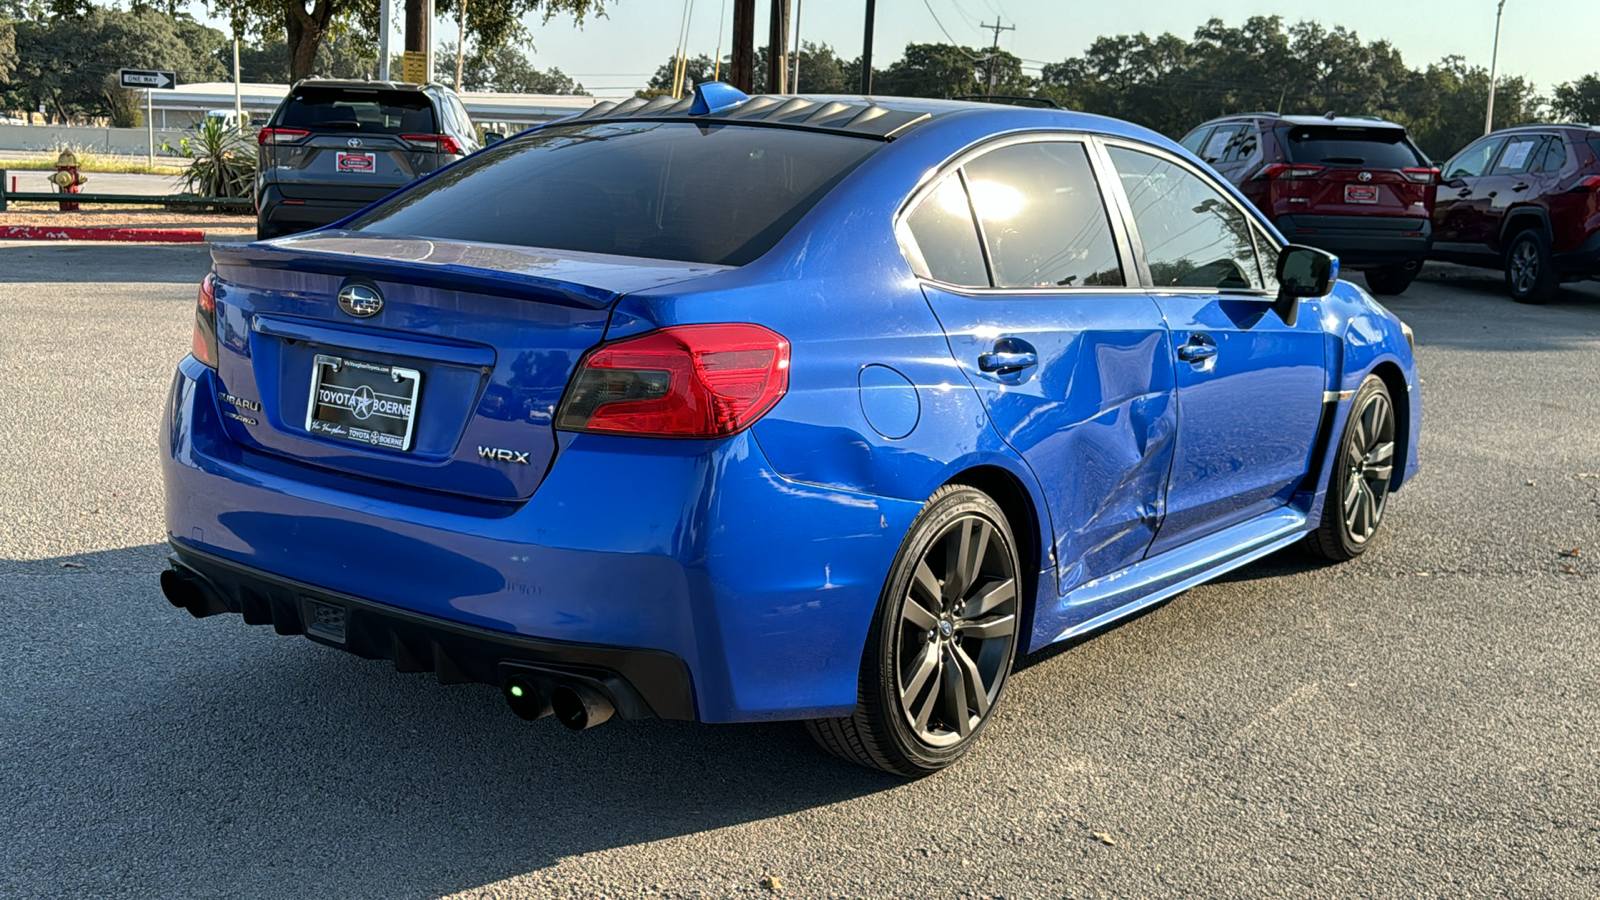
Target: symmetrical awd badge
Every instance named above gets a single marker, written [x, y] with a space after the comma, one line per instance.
[360, 300]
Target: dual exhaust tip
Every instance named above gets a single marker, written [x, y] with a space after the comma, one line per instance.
[574, 704]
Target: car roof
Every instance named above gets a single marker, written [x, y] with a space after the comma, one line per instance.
[868, 116]
[1324, 120]
[365, 85]
[1550, 126]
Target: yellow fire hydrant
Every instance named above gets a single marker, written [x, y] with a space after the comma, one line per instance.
[67, 177]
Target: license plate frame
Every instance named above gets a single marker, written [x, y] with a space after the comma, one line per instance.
[349, 408]
[356, 162]
[1366, 194]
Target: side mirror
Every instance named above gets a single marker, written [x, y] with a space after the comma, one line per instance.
[1302, 272]
[492, 137]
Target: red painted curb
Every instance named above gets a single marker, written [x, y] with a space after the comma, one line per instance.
[74, 233]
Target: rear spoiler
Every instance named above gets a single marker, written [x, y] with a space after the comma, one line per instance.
[582, 280]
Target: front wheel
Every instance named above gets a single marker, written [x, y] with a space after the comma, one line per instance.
[1358, 490]
[941, 644]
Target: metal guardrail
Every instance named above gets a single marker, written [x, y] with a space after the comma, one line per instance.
[7, 196]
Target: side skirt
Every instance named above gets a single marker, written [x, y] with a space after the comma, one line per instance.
[1152, 580]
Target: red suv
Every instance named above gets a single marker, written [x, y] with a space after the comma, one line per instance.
[1351, 185]
[1527, 200]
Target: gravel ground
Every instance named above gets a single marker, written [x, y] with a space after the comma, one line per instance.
[115, 217]
[1424, 721]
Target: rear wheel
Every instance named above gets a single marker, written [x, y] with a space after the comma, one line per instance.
[1358, 490]
[1531, 275]
[1390, 280]
[941, 644]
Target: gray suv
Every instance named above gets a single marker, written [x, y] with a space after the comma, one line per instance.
[334, 147]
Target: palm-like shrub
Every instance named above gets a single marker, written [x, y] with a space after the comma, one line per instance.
[222, 161]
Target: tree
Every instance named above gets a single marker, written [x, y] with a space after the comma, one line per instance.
[491, 23]
[506, 70]
[695, 70]
[931, 70]
[8, 51]
[1575, 101]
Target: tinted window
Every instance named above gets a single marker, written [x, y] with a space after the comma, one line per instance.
[1473, 161]
[668, 190]
[352, 109]
[1192, 235]
[1196, 140]
[1517, 154]
[1552, 157]
[1594, 144]
[1380, 148]
[1043, 216]
[946, 236]
[1216, 146]
[1242, 146]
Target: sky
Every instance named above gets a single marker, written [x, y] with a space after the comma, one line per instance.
[1546, 41]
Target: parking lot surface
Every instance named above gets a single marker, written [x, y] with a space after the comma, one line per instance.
[1424, 721]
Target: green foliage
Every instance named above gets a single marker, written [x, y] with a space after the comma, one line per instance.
[1577, 101]
[8, 51]
[222, 161]
[505, 70]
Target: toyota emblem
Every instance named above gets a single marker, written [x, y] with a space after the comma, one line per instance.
[360, 300]
[353, 142]
[1365, 176]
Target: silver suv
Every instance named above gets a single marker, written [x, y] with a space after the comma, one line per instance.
[334, 147]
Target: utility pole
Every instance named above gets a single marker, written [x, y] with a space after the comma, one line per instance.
[794, 82]
[866, 48]
[419, 41]
[238, 99]
[742, 68]
[994, 52]
[1494, 61]
[385, 26]
[778, 48]
[461, 41]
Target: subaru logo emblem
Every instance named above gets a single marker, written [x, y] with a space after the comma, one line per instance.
[353, 142]
[1365, 176]
[360, 300]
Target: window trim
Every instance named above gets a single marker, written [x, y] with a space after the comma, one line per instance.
[1126, 258]
[1251, 216]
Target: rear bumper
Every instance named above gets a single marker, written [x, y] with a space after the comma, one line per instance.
[763, 589]
[279, 215]
[1362, 241]
[1583, 261]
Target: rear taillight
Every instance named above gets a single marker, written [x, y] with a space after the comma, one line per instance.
[280, 135]
[1282, 171]
[205, 322]
[441, 143]
[1588, 185]
[686, 381]
[1421, 176]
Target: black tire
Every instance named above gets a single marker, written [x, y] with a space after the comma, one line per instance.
[1363, 469]
[915, 713]
[1531, 275]
[1391, 280]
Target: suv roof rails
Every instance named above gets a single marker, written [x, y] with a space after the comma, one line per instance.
[1010, 100]
[1258, 112]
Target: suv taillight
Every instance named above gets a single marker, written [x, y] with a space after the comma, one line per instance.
[1282, 171]
[1421, 176]
[280, 135]
[685, 381]
[439, 143]
[1587, 185]
[204, 347]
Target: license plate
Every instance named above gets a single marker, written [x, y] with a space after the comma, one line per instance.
[363, 402]
[356, 162]
[1361, 193]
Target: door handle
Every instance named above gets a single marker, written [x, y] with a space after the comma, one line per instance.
[1199, 348]
[1004, 362]
[1520, 187]
[1464, 193]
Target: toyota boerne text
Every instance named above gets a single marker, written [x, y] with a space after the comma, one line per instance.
[735, 409]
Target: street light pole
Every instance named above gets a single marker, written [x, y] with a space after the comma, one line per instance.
[1494, 62]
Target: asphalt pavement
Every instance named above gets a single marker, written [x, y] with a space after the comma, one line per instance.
[1424, 721]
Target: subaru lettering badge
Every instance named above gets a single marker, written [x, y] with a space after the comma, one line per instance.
[360, 300]
[1365, 176]
[354, 142]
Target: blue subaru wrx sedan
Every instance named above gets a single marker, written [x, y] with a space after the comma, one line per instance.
[734, 409]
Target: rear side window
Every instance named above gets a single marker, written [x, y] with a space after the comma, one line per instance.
[946, 237]
[1473, 161]
[1378, 148]
[1594, 145]
[354, 109]
[1517, 155]
[695, 192]
[1043, 216]
[1551, 157]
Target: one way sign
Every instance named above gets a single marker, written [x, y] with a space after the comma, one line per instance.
[148, 78]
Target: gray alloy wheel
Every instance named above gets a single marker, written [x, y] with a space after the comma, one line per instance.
[1358, 491]
[1530, 272]
[942, 642]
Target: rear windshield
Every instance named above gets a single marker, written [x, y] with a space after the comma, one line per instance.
[694, 192]
[354, 109]
[1378, 148]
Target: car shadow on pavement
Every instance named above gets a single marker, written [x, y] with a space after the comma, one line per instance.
[144, 749]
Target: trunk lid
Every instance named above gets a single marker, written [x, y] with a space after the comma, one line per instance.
[489, 334]
[347, 167]
[1358, 191]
